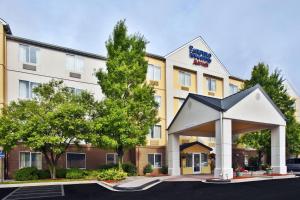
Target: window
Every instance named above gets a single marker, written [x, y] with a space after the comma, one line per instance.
[154, 160]
[189, 160]
[76, 160]
[153, 72]
[111, 158]
[180, 102]
[155, 131]
[158, 100]
[74, 64]
[28, 54]
[26, 89]
[30, 159]
[184, 78]
[211, 84]
[75, 90]
[204, 159]
[233, 88]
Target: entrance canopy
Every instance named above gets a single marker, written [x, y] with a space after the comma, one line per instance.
[246, 111]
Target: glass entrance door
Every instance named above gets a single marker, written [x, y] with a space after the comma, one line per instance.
[197, 163]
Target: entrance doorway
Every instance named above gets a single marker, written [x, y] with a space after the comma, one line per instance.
[196, 163]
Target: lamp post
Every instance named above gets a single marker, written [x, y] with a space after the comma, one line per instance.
[1, 164]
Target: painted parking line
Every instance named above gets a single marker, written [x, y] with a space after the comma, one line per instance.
[36, 192]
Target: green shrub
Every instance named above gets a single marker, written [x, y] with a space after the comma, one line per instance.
[148, 169]
[27, 173]
[108, 166]
[129, 168]
[61, 173]
[91, 174]
[44, 174]
[111, 174]
[164, 170]
[75, 173]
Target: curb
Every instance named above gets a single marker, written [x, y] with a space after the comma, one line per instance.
[137, 188]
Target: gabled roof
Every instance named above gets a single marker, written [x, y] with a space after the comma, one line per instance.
[6, 26]
[225, 104]
[187, 145]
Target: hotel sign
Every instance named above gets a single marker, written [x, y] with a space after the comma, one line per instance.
[200, 57]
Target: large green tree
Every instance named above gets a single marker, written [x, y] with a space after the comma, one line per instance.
[48, 123]
[123, 118]
[273, 84]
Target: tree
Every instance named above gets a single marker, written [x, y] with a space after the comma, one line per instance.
[48, 123]
[123, 118]
[272, 83]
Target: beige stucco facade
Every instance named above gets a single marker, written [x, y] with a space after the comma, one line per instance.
[2, 65]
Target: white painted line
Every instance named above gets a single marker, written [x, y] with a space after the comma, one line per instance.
[10, 194]
[62, 191]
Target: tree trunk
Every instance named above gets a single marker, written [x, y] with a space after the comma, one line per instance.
[260, 155]
[52, 169]
[120, 153]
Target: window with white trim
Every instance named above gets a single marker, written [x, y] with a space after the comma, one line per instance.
[185, 78]
[155, 131]
[30, 159]
[204, 159]
[28, 54]
[74, 64]
[155, 160]
[153, 72]
[211, 84]
[111, 158]
[76, 160]
[26, 89]
[158, 100]
[233, 88]
[75, 91]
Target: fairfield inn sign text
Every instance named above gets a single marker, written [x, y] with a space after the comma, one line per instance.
[200, 57]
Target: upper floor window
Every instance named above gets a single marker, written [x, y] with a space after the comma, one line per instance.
[153, 72]
[185, 78]
[155, 131]
[233, 88]
[28, 54]
[211, 84]
[26, 89]
[158, 100]
[74, 64]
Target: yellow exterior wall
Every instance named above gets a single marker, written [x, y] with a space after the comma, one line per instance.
[195, 149]
[160, 90]
[178, 86]
[238, 83]
[219, 93]
[2, 65]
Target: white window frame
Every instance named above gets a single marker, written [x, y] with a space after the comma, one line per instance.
[233, 91]
[29, 49]
[187, 82]
[152, 129]
[152, 75]
[209, 85]
[30, 152]
[154, 154]
[75, 68]
[115, 158]
[158, 100]
[30, 92]
[75, 153]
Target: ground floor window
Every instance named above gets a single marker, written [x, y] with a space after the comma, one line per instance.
[189, 160]
[31, 159]
[111, 158]
[155, 160]
[204, 159]
[76, 160]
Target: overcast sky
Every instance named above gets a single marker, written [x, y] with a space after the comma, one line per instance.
[241, 33]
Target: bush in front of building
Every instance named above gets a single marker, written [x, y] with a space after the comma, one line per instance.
[27, 173]
[164, 170]
[111, 174]
[75, 173]
[44, 174]
[61, 173]
[129, 168]
[148, 169]
[108, 166]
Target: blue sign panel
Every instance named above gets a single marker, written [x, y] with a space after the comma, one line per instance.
[2, 155]
[200, 57]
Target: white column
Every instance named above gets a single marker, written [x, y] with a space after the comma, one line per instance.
[278, 163]
[173, 155]
[223, 136]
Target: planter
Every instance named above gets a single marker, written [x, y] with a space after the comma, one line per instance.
[269, 171]
[239, 174]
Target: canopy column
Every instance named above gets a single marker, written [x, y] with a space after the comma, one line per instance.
[223, 134]
[173, 155]
[278, 162]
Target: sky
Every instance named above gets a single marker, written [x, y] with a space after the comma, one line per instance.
[241, 33]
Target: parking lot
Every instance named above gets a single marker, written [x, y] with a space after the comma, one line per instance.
[260, 190]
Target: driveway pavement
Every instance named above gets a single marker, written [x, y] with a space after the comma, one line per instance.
[260, 190]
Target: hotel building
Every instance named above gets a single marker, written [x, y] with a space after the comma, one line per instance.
[24, 63]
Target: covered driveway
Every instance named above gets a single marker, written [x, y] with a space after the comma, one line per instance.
[246, 111]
